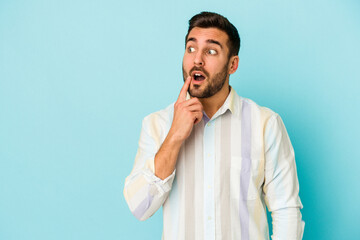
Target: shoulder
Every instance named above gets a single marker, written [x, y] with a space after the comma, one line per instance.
[259, 108]
[161, 118]
[257, 112]
[263, 119]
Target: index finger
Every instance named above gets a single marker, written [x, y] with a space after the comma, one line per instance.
[184, 89]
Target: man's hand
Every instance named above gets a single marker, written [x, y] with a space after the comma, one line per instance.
[187, 113]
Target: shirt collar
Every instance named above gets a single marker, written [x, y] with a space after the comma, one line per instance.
[230, 103]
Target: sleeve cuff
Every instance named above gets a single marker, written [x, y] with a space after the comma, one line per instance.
[163, 186]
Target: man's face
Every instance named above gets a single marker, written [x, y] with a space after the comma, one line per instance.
[206, 60]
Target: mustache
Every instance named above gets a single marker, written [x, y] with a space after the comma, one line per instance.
[199, 69]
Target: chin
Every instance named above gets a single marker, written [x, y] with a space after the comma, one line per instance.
[197, 94]
[195, 91]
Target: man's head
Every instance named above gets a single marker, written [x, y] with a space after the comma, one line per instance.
[214, 20]
[212, 45]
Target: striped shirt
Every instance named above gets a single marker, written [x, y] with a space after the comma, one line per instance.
[228, 170]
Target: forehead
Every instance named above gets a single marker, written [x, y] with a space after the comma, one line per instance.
[204, 34]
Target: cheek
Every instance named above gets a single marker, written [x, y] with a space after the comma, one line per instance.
[186, 64]
[217, 66]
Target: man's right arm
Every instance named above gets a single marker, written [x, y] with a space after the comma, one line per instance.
[187, 113]
[143, 191]
[150, 181]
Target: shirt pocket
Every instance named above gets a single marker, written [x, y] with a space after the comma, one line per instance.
[246, 178]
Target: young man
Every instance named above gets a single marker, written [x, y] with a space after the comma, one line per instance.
[214, 159]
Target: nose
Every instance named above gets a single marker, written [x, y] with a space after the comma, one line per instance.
[198, 60]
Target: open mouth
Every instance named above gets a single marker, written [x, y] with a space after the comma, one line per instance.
[198, 76]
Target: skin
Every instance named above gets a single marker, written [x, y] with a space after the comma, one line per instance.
[202, 52]
[207, 52]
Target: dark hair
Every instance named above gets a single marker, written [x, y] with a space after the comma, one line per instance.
[210, 19]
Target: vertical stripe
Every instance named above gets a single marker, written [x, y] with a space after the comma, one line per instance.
[218, 180]
[189, 186]
[199, 182]
[235, 169]
[174, 199]
[209, 179]
[258, 211]
[245, 169]
[224, 166]
[181, 186]
[167, 216]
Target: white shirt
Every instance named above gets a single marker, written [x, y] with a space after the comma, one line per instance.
[229, 169]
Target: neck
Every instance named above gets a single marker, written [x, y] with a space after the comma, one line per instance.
[212, 104]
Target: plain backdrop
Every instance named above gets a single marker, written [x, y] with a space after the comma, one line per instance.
[77, 77]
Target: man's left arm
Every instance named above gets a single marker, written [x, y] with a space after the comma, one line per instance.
[281, 185]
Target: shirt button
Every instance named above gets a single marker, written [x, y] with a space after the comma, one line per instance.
[209, 124]
[209, 218]
[209, 186]
[209, 155]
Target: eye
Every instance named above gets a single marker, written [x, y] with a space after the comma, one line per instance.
[212, 51]
[191, 49]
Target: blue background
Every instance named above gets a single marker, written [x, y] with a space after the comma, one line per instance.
[77, 77]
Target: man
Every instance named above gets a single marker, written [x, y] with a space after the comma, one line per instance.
[214, 159]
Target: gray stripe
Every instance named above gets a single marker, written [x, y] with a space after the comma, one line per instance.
[245, 169]
[199, 182]
[143, 206]
[189, 186]
[224, 164]
[180, 177]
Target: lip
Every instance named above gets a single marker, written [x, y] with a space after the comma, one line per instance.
[197, 81]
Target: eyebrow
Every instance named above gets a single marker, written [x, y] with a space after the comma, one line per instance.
[208, 41]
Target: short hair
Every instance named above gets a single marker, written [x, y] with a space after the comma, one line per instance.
[209, 20]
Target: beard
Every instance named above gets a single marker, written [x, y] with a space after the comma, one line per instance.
[214, 84]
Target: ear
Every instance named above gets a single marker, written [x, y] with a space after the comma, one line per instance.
[233, 64]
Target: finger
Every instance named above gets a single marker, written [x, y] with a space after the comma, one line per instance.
[195, 108]
[198, 117]
[184, 89]
[192, 101]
